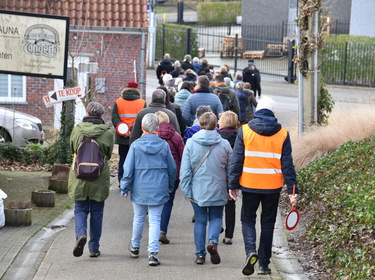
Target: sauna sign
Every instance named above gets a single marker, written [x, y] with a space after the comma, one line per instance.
[33, 44]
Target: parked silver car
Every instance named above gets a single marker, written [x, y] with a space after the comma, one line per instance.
[19, 128]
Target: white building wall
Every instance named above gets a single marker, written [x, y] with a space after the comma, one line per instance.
[362, 21]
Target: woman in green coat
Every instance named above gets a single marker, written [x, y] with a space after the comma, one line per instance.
[89, 196]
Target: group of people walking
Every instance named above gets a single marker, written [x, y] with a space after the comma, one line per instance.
[220, 152]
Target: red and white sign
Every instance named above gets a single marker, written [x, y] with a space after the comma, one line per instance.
[57, 96]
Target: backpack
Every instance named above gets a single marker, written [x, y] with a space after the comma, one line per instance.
[88, 161]
[225, 100]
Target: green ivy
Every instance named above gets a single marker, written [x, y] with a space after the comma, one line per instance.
[325, 104]
[338, 192]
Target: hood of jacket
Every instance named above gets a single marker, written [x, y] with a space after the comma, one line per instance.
[131, 94]
[206, 137]
[166, 131]
[223, 88]
[150, 144]
[265, 123]
[183, 94]
[92, 130]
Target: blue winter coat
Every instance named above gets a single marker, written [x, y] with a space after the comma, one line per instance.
[149, 170]
[208, 186]
[264, 123]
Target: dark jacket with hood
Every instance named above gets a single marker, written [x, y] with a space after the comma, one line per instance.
[164, 65]
[187, 65]
[252, 77]
[264, 123]
[129, 94]
[222, 87]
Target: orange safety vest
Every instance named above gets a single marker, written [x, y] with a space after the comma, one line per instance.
[262, 164]
[128, 109]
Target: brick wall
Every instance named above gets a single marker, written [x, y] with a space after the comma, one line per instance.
[115, 54]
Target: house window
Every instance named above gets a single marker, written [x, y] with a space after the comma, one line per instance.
[12, 88]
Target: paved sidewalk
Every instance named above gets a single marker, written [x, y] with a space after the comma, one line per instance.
[177, 258]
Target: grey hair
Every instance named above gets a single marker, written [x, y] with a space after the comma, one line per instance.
[158, 96]
[150, 122]
[202, 109]
[95, 109]
[177, 63]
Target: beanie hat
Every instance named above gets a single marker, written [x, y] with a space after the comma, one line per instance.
[266, 103]
[132, 85]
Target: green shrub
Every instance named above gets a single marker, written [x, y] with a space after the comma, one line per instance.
[338, 192]
[10, 152]
[171, 38]
[219, 12]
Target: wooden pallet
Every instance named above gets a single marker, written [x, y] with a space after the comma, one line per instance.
[253, 54]
[275, 49]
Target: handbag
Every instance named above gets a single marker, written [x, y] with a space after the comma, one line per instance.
[203, 159]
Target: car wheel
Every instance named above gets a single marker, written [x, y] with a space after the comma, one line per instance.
[4, 136]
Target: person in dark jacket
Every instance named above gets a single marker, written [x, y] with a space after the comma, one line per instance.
[186, 63]
[157, 104]
[222, 89]
[247, 101]
[177, 69]
[167, 132]
[251, 75]
[164, 67]
[196, 64]
[228, 123]
[261, 162]
[196, 127]
[125, 109]
[204, 65]
[89, 196]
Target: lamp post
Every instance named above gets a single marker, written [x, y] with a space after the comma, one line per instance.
[151, 33]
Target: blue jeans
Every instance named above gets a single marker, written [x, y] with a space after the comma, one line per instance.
[154, 216]
[212, 214]
[123, 152]
[250, 204]
[81, 211]
[167, 209]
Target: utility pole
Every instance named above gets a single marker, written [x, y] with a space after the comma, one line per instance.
[151, 33]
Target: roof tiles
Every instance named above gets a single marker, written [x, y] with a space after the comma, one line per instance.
[109, 13]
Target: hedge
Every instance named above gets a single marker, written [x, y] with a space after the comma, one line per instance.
[219, 12]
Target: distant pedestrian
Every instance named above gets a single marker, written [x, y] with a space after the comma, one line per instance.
[187, 63]
[177, 69]
[89, 196]
[204, 65]
[202, 96]
[125, 110]
[190, 76]
[247, 103]
[167, 132]
[228, 123]
[227, 96]
[149, 175]
[251, 75]
[157, 104]
[196, 64]
[164, 67]
[183, 94]
[203, 182]
[262, 161]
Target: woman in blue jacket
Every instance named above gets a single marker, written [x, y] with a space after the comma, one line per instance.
[207, 188]
[149, 173]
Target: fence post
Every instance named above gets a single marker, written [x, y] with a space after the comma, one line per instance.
[188, 41]
[345, 62]
[180, 12]
[229, 28]
[163, 41]
[291, 65]
[235, 54]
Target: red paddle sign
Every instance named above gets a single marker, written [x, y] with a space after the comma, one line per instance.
[122, 128]
[292, 218]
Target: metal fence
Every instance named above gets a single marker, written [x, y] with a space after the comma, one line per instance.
[270, 46]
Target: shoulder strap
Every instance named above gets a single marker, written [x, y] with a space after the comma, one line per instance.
[203, 159]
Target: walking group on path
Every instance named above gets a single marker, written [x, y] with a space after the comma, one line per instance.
[201, 132]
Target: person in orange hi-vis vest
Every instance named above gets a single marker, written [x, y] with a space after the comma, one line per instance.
[261, 163]
[125, 111]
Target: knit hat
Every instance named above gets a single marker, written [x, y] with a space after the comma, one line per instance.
[132, 85]
[266, 103]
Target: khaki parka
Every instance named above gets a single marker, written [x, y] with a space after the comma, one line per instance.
[97, 190]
